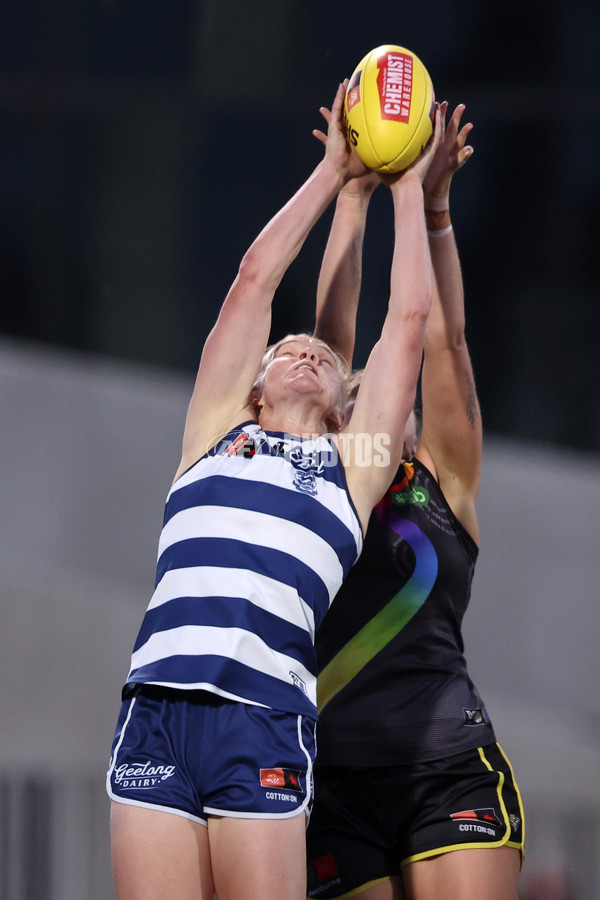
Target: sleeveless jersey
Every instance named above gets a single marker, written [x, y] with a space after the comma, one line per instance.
[257, 538]
[393, 685]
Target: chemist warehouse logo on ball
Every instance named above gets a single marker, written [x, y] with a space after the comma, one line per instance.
[479, 821]
[394, 83]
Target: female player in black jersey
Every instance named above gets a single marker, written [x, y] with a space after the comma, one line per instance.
[413, 797]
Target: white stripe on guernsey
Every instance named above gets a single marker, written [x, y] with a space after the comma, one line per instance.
[268, 470]
[233, 643]
[216, 581]
[258, 529]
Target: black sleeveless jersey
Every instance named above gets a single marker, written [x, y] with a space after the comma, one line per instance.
[393, 686]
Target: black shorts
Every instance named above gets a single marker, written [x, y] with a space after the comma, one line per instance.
[369, 822]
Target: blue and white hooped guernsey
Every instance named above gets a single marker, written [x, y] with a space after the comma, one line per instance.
[258, 536]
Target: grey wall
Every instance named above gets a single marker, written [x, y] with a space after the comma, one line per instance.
[87, 454]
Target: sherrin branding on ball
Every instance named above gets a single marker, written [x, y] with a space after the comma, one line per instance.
[389, 108]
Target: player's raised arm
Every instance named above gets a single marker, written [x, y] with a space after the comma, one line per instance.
[340, 276]
[387, 392]
[451, 439]
[234, 348]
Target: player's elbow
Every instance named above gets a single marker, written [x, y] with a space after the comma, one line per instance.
[250, 269]
[446, 336]
[413, 321]
[256, 270]
[412, 301]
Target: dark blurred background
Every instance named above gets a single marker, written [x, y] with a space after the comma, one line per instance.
[144, 143]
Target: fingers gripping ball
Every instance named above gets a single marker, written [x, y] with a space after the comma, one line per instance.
[389, 108]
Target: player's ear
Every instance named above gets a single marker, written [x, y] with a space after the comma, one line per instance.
[256, 398]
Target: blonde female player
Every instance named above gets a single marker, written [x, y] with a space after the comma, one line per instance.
[211, 768]
[413, 797]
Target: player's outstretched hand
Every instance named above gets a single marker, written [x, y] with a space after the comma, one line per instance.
[337, 147]
[452, 153]
[420, 166]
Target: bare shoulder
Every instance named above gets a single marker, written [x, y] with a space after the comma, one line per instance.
[201, 434]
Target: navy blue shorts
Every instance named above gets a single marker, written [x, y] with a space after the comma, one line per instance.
[194, 754]
[368, 822]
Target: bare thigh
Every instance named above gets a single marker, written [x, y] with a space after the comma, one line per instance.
[258, 859]
[481, 874]
[388, 889]
[158, 855]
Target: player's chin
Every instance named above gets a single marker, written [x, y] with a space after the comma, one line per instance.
[305, 380]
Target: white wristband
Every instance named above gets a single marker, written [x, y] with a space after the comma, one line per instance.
[441, 232]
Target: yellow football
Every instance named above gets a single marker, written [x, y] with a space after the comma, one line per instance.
[389, 108]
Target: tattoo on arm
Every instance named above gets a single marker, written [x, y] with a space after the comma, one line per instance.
[472, 406]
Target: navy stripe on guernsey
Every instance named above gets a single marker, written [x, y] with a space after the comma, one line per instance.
[253, 550]
[290, 506]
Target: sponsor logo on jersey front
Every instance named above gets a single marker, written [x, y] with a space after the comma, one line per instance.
[410, 496]
[238, 444]
[310, 457]
[404, 493]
